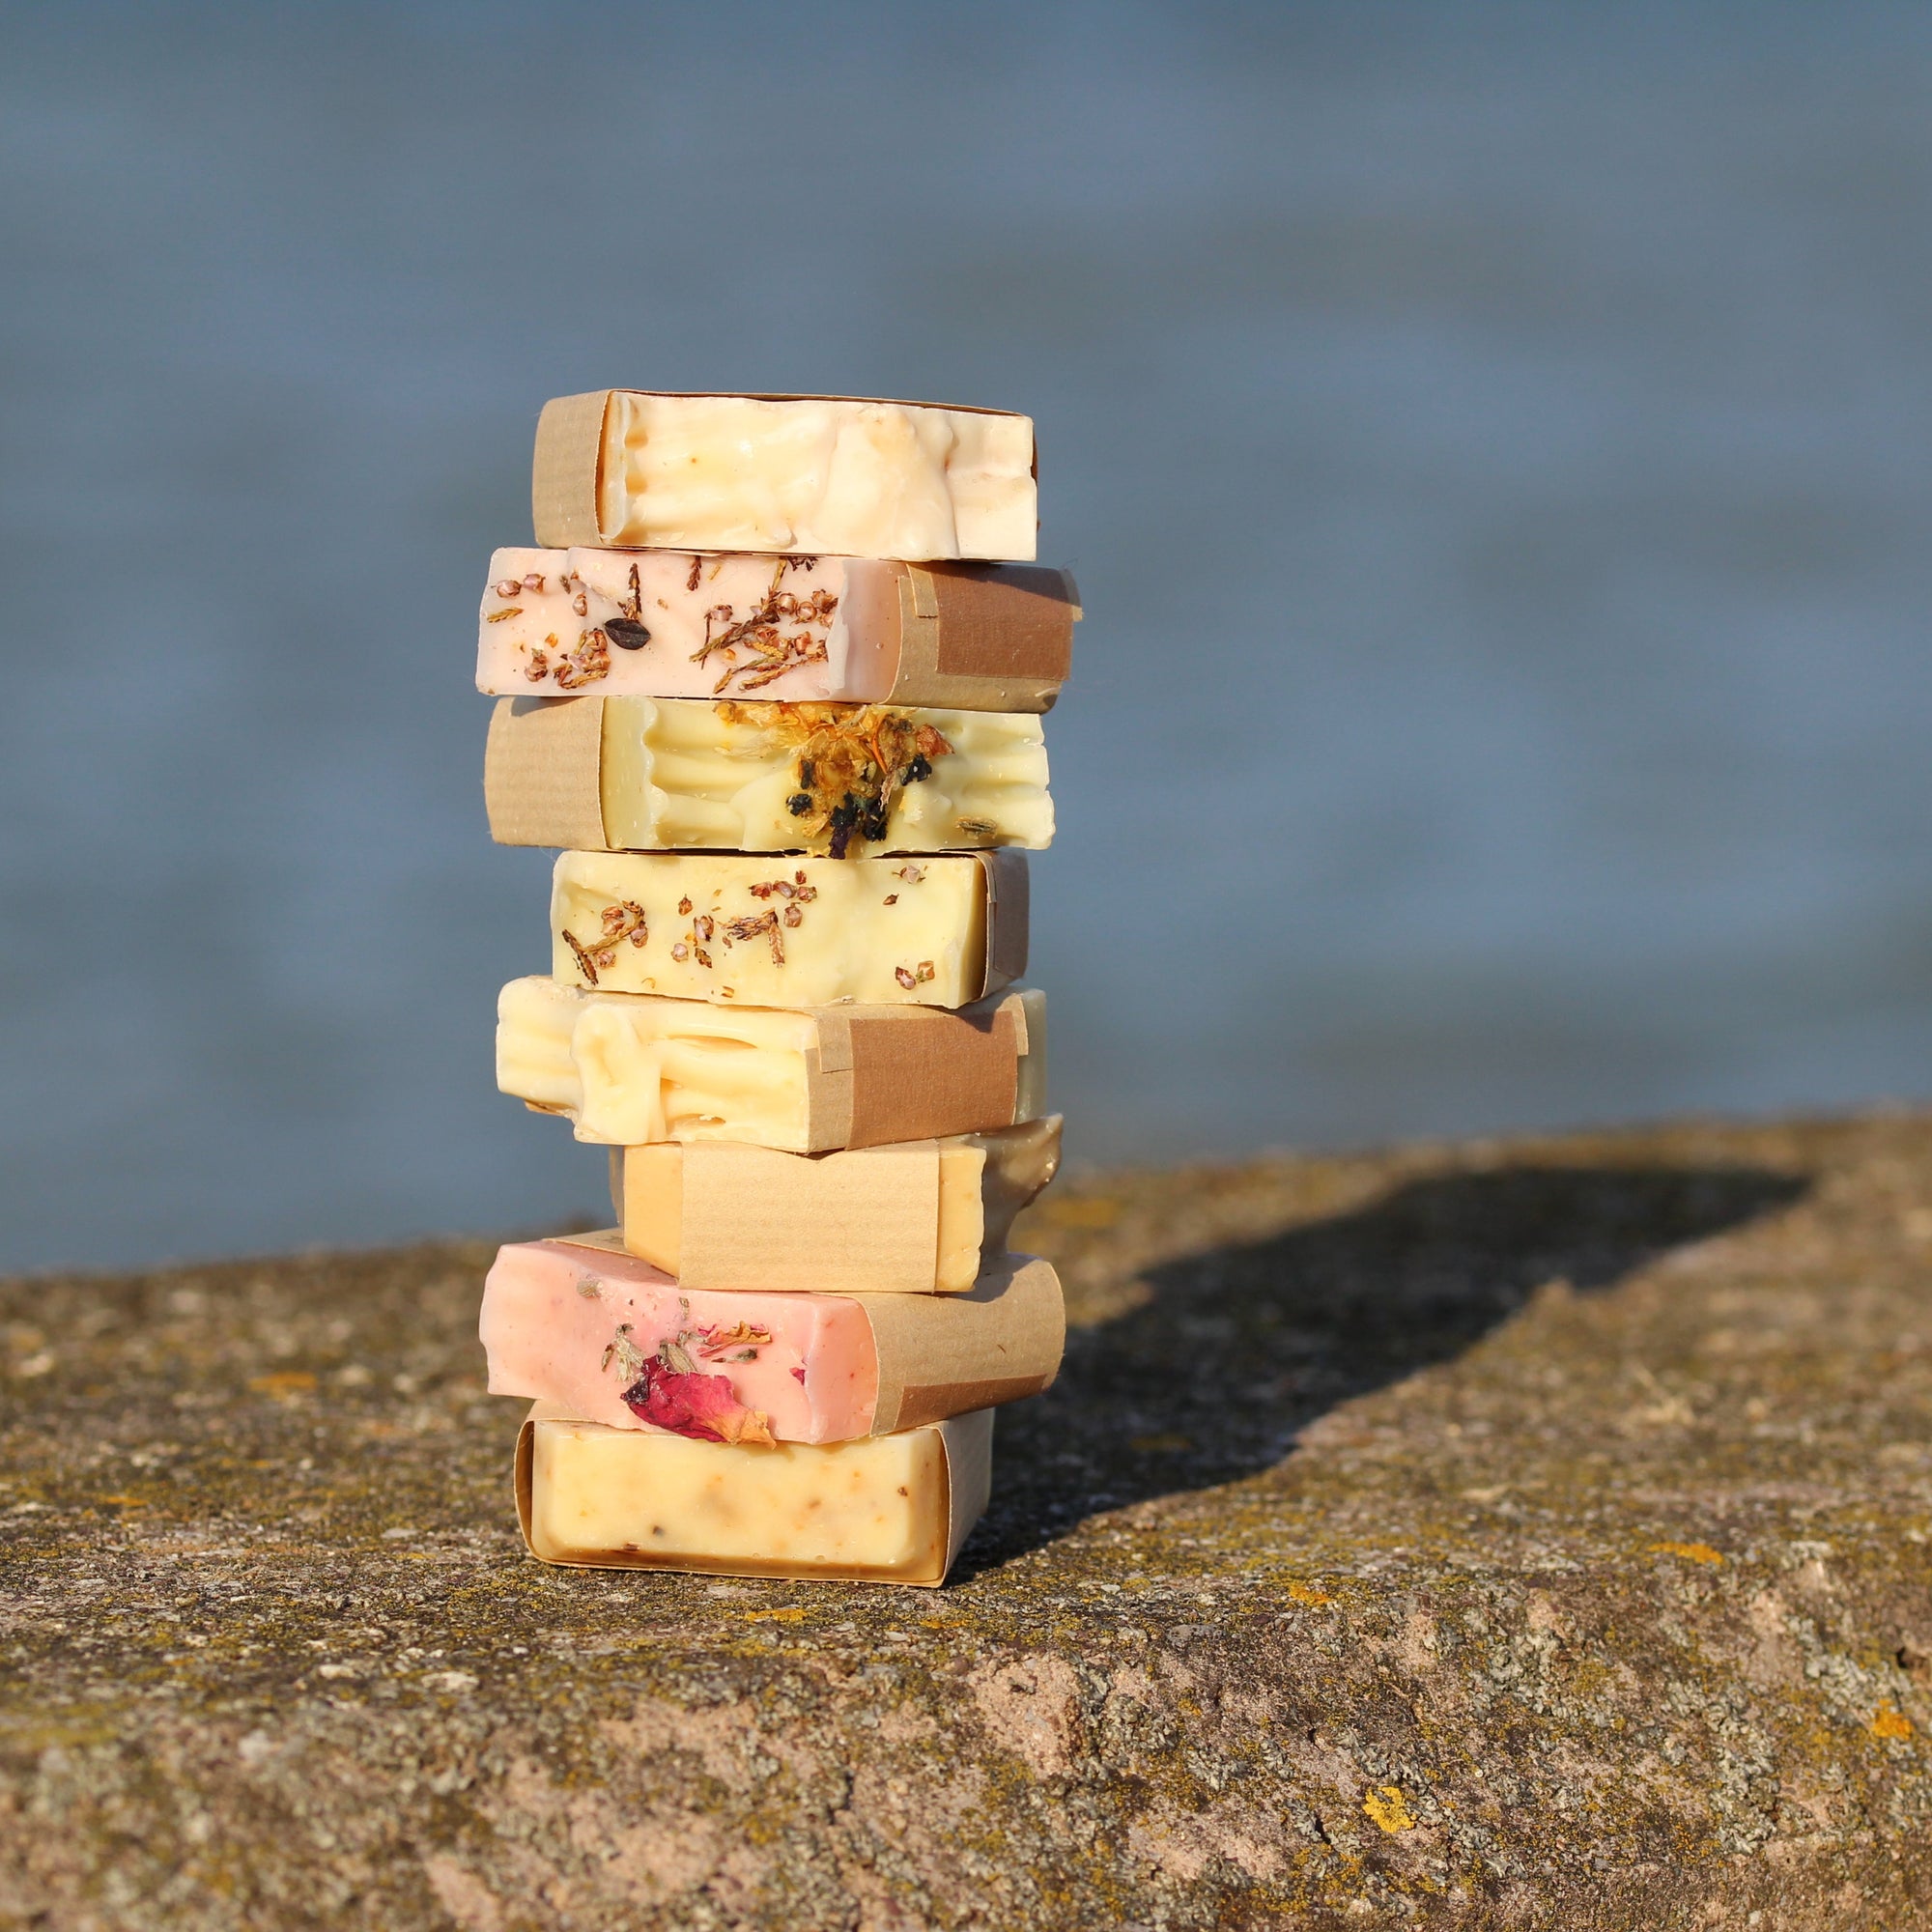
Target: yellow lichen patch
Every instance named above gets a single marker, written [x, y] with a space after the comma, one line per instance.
[1080, 1210]
[790, 1614]
[283, 1382]
[1166, 1443]
[1887, 1722]
[125, 1502]
[1389, 1810]
[1692, 1552]
[1301, 1593]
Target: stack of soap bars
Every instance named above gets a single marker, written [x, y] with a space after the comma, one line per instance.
[763, 686]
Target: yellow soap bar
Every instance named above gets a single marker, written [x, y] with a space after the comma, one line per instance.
[790, 931]
[889, 1509]
[849, 781]
[627, 1068]
[917, 1218]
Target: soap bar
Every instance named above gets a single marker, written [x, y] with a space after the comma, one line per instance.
[642, 774]
[628, 1069]
[660, 623]
[886, 1509]
[852, 476]
[613, 1340]
[763, 931]
[919, 1217]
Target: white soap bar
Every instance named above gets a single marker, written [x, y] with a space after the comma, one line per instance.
[643, 774]
[769, 931]
[919, 1217]
[887, 1509]
[657, 623]
[627, 1069]
[820, 474]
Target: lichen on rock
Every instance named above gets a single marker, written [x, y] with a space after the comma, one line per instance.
[1527, 1533]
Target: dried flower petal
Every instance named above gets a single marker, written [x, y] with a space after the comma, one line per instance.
[703, 1407]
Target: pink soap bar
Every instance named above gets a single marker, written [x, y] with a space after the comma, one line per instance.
[613, 1340]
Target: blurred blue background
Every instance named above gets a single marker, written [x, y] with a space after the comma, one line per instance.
[1495, 445]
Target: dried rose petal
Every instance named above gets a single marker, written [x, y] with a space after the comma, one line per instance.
[704, 1408]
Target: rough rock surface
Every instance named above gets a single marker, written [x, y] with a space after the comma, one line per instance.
[1526, 1534]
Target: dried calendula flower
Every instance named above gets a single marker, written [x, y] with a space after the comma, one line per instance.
[740, 1335]
[853, 761]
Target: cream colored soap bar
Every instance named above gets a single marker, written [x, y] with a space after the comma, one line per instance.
[628, 1069]
[661, 623]
[643, 774]
[886, 1509]
[763, 931]
[920, 1217]
[849, 476]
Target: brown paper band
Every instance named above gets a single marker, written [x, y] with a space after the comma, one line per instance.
[941, 1356]
[902, 1073]
[543, 773]
[1008, 897]
[832, 1223]
[983, 636]
[566, 475]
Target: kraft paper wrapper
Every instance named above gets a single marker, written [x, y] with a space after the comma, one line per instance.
[543, 773]
[966, 1439]
[982, 641]
[742, 1207]
[904, 1073]
[567, 474]
[1008, 902]
[858, 1221]
[943, 1354]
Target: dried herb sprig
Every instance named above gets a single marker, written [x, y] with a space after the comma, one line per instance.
[626, 920]
[772, 652]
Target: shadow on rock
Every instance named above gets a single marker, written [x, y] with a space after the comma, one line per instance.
[1237, 1349]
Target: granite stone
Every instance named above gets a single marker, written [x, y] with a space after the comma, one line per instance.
[1527, 1533]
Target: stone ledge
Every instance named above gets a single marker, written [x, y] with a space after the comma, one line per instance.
[1530, 1533]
